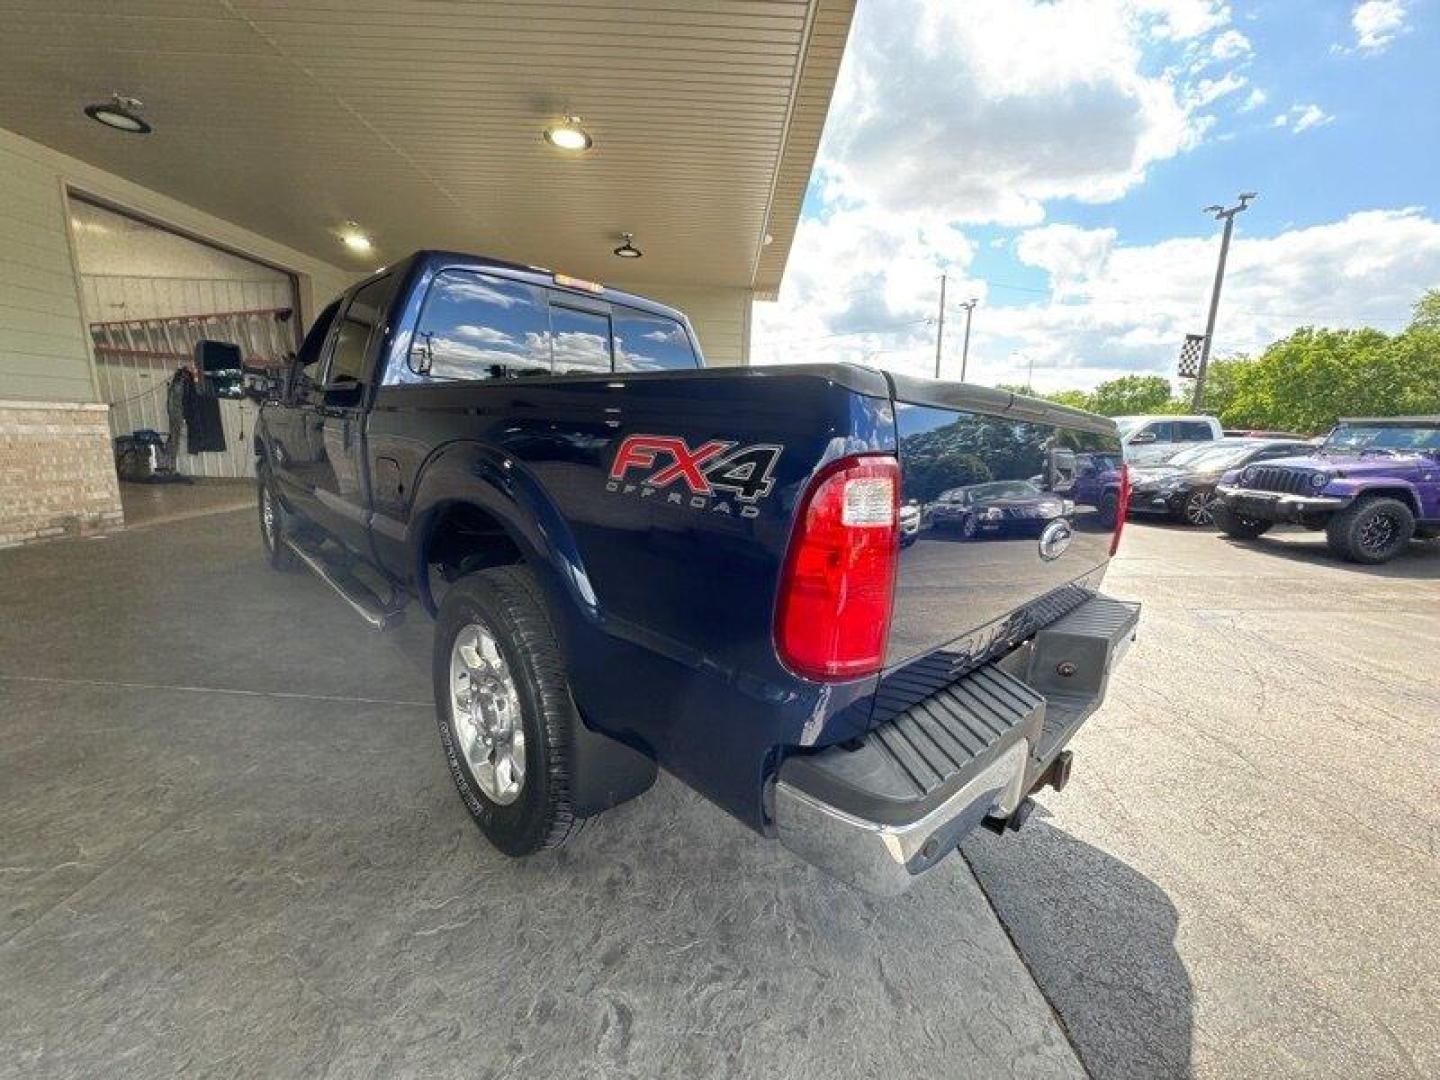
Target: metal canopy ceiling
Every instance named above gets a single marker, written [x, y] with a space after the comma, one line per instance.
[421, 120]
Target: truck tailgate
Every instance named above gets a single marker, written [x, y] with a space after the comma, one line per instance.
[1000, 535]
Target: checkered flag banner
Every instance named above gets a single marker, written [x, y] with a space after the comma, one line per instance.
[1190, 356]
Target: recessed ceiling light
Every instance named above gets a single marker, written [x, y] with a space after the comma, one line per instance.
[627, 250]
[354, 239]
[569, 135]
[121, 113]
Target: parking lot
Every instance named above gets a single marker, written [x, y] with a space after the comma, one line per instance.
[244, 857]
[1242, 872]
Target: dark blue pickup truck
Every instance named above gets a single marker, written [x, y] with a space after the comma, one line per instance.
[635, 562]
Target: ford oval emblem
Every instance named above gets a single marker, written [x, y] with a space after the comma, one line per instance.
[1055, 539]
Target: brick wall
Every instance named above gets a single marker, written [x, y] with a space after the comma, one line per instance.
[57, 471]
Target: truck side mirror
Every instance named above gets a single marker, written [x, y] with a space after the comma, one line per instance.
[1141, 437]
[221, 369]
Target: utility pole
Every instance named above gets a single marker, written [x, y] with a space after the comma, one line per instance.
[1226, 215]
[1030, 375]
[940, 326]
[969, 306]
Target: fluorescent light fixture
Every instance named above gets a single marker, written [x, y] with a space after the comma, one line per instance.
[568, 134]
[121, 113]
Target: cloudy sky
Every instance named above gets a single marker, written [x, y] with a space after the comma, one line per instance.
[1053, 156]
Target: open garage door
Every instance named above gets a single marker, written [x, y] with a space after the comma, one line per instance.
[149, 294]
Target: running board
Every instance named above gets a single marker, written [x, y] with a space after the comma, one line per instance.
[380, 614]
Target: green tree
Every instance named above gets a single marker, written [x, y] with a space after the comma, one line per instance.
[1305, 382]
[1133, 394]
[1076, 399]
[1427, 311]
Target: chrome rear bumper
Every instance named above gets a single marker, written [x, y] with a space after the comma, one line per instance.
[886, 859]
[880, 814]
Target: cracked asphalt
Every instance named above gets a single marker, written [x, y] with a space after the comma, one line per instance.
[1241, 878]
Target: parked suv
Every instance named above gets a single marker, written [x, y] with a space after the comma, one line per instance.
[1373, 485]
[1148, 439]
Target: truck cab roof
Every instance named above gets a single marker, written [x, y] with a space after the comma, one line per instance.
[433, 260]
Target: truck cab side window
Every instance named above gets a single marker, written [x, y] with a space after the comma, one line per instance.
[363, 320]
[475, 326]
[581, 340]
[304, 369]
[645, 342]
[313, 347]
[1193, 431]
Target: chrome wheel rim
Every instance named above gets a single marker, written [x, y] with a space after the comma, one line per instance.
[485, 710]
[1197, 509]
[1378, 533]
[267, 517]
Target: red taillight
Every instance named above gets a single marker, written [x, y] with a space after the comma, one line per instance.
[833, 617]
[1122, 508]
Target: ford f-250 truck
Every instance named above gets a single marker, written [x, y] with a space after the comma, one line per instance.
[635, 562]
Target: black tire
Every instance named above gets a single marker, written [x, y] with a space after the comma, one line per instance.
[276, 526]
[1371, 531]
[1197, 510]
[1239, 526]
[507, 602]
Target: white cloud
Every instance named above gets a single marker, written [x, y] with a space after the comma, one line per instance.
[1377, 23]
[1254, 100]
[1070, 255]
[487, 335]
[985, 110]
[1208, 91]
[1230, 45]
[1118, 308]
[1180, 20]
[863, 277]
[1300, 118]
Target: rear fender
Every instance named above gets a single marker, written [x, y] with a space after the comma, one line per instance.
[466, 472]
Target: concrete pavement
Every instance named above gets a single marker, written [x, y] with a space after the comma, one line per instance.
[229, 846]
[1242, 875]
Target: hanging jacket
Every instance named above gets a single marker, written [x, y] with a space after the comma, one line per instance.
[204, 432]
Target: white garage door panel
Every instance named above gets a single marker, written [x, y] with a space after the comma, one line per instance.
[135, 361]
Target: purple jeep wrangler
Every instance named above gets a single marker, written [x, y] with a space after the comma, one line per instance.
[1373, 486]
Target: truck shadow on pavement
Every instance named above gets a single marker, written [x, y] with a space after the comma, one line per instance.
[1099, 939]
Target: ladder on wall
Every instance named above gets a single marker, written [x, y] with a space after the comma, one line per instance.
[264, 335]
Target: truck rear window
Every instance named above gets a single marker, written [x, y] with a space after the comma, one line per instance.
[481, 327]
[476, 326]
[645, 342]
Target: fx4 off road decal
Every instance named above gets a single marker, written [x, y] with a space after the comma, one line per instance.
[713, 476]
